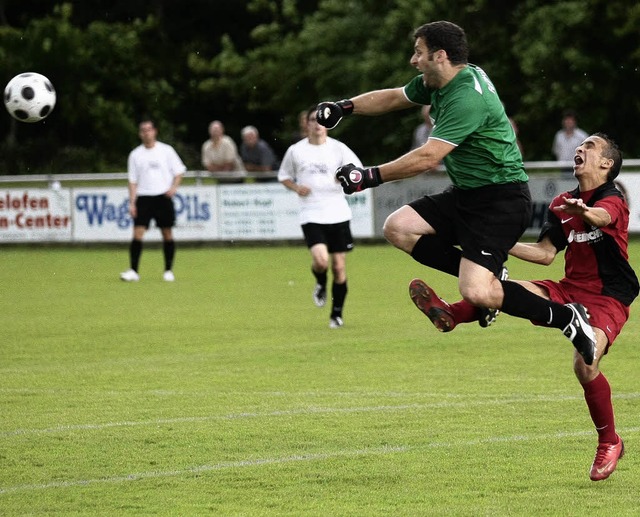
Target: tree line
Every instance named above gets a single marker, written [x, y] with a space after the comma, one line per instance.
[260, 62]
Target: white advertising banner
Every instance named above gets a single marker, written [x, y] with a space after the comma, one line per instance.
[270, 211]
[362, 209]
[102, 215]
[253, 212]
[28, 215]
[629, 184]
[257, 211]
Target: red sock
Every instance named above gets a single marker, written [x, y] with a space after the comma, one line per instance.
[597, 393]
[464, 312]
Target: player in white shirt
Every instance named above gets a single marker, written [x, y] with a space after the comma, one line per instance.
[155, 172]
[308, 168]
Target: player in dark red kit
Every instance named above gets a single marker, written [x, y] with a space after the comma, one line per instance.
[591, 223]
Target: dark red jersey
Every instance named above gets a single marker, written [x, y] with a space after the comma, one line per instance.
[596, 259]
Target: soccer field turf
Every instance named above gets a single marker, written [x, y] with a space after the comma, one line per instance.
[225, 393]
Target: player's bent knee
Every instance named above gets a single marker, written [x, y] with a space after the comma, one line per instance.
[389, 231]
[584, 373]
[396, 236]
[476, 296]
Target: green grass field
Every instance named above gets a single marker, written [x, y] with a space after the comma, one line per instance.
[226, 393]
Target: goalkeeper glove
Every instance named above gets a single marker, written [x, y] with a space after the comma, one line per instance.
[356, 179]
[330, 113]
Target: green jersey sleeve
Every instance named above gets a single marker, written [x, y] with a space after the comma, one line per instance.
[417, 92]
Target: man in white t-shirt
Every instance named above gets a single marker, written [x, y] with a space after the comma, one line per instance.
[567, 139]
[308, 168]
[155, 171]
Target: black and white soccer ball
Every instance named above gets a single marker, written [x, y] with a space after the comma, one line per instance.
[29, 97]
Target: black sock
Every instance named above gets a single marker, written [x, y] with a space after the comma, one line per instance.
[321, 277]
[338, 295]
[169, 249]
[433, 252]
[519, 301]
[135, 250]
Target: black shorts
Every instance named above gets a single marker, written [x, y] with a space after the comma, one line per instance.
[337, 237]
[160, 208]
[485, 222]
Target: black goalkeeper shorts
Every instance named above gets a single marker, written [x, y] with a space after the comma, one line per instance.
[485, 222]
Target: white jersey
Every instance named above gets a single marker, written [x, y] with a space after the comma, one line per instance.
[564, 146]
[315, 166]
[153, 169]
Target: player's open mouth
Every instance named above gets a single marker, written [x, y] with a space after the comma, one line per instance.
[578, 160]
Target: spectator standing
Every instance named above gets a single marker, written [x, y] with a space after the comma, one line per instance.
[308, 169]
[421, 133]
[256, 154]
[567, 139]
[219, 153]
[155, 171]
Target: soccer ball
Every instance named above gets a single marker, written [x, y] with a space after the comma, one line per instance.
[29, 97]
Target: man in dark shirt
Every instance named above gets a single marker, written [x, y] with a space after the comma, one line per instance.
[256, 154]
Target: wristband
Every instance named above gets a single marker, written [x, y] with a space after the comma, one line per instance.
[372, 177]
[346, 106]
[376, 172]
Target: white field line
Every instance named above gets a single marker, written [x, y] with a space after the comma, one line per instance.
[305, 412]
[230, 465]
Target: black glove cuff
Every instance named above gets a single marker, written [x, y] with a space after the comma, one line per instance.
[347, 107]
[372, 177]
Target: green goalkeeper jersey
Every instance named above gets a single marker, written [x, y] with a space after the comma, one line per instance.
[468, 113]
